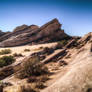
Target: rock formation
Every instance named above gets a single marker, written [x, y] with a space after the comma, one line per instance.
[78, 77]
[1, 33]
[24, 34]
[70, 65]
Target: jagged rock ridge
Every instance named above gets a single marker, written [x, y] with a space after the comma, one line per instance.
[24, 34]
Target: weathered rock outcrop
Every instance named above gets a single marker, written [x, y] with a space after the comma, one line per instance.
[74, 75]
[79, 76]
[86, 38]
[1, 33]
[24, 34]
[18, 31]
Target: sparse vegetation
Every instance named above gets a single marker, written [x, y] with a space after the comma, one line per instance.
[63, 42]
[6, 72]
[6, 60]
[40, 85]
[5, 51]
[32, 79]
[27, 89]
[32, 68]
[35, 73]
[26, 50]
[17, 55]
[42, 78]
[41, 47]
[48, 51]
[38, 82]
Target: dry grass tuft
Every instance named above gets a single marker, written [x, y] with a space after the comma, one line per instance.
[5, 51]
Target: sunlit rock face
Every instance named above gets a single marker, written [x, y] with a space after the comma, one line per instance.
[49, 32]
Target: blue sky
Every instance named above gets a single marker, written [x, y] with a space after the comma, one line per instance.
[74, 15]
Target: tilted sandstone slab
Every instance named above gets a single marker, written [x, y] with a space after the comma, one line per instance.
[18, 31]
[79, 76]
[49, 32]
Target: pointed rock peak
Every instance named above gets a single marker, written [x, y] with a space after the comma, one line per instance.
[55, 19]
[51, 23]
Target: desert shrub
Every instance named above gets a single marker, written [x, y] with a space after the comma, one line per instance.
[63, 42]
[42, 78]
[27, 89]
[17, 55]
[5, 84]
[48, 51]
[5, 51]
[2, 63]
[6, 71]
[41, 47]
[40, 85]
[6, 60]
[32, 79]
[32, 68]
[26, 50]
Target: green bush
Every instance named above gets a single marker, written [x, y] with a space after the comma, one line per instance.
[2, 63]
[32, 68]
[17, 55]
[5, 51]
[6, 60]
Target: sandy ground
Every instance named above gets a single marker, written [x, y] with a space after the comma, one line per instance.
[57, 70]
[71, 78]
[20, 49]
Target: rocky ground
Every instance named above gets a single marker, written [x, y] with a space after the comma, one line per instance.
[62, 65]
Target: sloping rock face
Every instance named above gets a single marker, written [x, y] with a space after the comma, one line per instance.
[86, 38]
[79, 76]
[24, 34]
[18, 31]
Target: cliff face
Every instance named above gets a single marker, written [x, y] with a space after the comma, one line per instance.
[24, 34]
